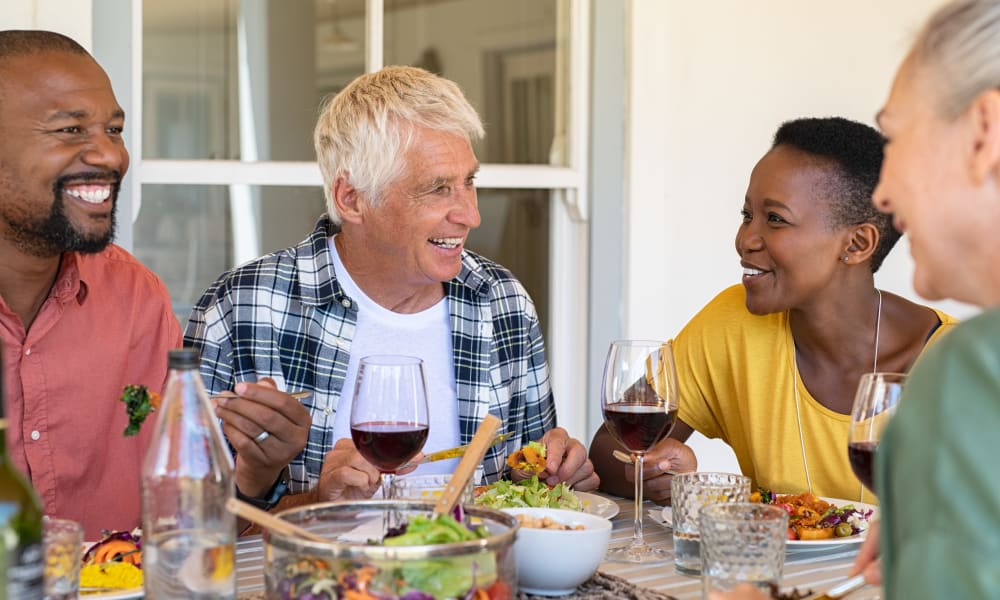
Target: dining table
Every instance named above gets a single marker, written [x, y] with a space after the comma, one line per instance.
[816, 570]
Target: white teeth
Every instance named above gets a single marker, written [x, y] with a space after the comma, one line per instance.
[93, 196]
[751, 272]
[447, 243]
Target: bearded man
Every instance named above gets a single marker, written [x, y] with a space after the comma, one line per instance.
[79, 316]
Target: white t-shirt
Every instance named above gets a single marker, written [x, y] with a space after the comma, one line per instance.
[427, 335]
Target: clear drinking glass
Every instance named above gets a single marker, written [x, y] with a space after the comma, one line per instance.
[874, 404]
[639, 402]
[389, 421]
[63, 555]
[689, 493]
[742, 542]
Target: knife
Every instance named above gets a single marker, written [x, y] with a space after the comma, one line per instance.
[456, 452]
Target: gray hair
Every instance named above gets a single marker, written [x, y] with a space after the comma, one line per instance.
[960, 46]
[365, 132]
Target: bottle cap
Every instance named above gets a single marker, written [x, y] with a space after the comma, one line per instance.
[183, 358]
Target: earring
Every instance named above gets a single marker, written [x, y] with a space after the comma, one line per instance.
[845, 258]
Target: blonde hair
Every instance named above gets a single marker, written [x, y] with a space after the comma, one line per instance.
[365, 132]
[960, 47]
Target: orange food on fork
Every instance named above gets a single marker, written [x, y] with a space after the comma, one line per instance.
[530, 458]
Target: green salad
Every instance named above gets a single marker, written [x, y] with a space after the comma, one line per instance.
[530, 492]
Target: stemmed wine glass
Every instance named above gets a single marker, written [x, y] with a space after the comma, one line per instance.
[874, 404]
[639, 402]
[389, 421]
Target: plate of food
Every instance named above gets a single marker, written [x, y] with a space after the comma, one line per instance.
[814, 520]
[598, 505]
[112, 567]
[537, 494]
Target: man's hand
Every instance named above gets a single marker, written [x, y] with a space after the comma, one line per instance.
[346, 475]
[868, 561]
[668, 455]
[260, 409]
[565, 461]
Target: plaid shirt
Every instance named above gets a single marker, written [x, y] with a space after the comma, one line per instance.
[286, 316]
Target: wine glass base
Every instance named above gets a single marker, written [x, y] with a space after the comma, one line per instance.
[637, 553]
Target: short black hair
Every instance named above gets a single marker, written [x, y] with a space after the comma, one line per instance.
[26, 42]
[22, 42]
[856, 151]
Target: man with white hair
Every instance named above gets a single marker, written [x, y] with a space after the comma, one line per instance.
[384, 272]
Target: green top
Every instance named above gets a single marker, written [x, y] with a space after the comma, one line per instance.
[938, 471]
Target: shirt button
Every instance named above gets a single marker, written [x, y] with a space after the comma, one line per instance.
[27, 352]
[35, 435]
[327, 410]
[345, 303]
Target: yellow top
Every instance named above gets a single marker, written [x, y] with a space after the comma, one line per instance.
[735, 376]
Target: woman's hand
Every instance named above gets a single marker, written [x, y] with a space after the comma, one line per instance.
[868, 561]
[668, 455]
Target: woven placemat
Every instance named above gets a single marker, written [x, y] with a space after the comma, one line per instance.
[603, 586]
[599, 587]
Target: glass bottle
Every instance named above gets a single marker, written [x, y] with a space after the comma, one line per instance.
[21, 554]
[188, 535]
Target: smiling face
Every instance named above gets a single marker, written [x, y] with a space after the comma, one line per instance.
[787, 247]
[926, 185]
[417, 233]
[61, 153]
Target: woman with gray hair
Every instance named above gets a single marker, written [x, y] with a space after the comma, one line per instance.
[936, 466]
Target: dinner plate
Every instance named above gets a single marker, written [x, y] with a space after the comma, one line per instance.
[598, 505]
[114, 595]
[809, 545]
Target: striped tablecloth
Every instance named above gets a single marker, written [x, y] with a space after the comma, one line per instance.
[816, 570]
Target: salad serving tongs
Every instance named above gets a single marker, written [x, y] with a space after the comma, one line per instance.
[467, 466]
[268, 521]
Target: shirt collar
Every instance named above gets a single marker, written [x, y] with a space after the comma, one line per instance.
[71, 281]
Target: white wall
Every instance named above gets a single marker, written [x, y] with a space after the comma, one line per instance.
[69, 17]
[710, 83]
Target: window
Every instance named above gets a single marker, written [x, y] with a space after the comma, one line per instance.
[227, 99]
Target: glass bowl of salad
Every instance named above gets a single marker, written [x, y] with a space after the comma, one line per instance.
[424, 559]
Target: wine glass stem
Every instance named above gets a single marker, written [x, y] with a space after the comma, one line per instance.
[637, 539]
[388, 518]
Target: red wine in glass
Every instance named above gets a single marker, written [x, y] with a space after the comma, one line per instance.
[639, 403]
[387, 444]
[862, 457]
[639, 426]
[389, 423]
[875, 402]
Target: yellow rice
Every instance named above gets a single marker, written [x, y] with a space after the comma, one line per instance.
[111, 575]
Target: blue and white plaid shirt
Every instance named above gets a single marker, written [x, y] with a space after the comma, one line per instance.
[286, 316]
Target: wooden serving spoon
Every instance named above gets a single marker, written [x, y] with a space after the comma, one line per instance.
[467, 466]
[268, 521]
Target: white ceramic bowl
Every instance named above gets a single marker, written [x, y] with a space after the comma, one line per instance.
[551, 562]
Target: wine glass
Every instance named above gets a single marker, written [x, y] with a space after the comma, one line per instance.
[874, 404]
[389, 421]
[639, 402]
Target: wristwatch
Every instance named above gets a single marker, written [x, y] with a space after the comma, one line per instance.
[270, 498]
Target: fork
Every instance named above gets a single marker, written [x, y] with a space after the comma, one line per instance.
[297, 395]
[843, 589]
